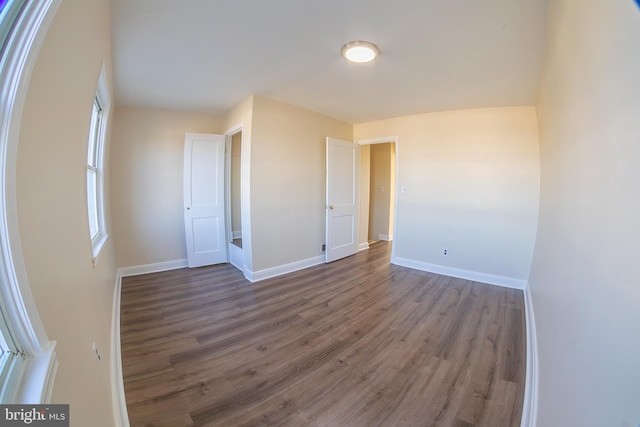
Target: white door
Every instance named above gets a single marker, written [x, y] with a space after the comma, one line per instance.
[343, 161]
[204, 199]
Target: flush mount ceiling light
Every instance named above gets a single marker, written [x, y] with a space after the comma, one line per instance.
[360, 51]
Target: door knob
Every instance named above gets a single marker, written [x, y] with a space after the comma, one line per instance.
[330, 206]
[188, 207]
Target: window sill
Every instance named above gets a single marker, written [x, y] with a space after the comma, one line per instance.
[97, 245]
[38, 375]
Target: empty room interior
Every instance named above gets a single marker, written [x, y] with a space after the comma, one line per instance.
[212, 216]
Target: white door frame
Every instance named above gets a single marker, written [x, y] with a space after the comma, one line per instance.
[231, 248]
[395, 140]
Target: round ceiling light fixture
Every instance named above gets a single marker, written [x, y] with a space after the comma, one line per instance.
[360, 52]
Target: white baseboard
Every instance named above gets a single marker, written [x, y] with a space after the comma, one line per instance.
[507, 282]
[119, 402]
[385, 237]
[237, 234]
[136, 270]
[268, 273]
[530, 404]
[363, 246]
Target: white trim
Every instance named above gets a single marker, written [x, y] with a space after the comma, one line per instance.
[245, 190]
[118, 400]
[382, 140]
[363, 246]
[37, 385]
[530, 404]
[385, 237]
[97, 245]
[23, 45]
[492, 279]
[228, 147]
[280, 270]
[233, 129]
[157, 267]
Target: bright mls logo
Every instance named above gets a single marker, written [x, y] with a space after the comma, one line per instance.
[34, 415]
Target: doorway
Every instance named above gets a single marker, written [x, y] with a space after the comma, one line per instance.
[379, 160]
[382, 187]
[235, 189]
[234, 197]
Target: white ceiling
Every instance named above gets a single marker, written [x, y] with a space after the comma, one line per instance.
[208, 55]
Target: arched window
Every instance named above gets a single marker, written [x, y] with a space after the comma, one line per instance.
[95, 151]
[27, 362]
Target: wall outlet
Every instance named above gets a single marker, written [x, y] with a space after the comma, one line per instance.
[324, 247]
[446, 252]
[96, 352]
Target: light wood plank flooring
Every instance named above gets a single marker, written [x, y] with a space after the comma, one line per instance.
[357, 342]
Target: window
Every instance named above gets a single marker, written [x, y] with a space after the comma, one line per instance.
[9, 12]
[11, 359]
[95, 193]
[27, 358]
[93, 169]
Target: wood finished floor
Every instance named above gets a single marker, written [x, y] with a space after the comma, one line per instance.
[357, 342]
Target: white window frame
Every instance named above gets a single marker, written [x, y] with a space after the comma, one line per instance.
[32, 372]
[95, 165]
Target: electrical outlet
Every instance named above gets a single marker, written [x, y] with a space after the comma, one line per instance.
[324, 247]
[446, 252]
[96, 352]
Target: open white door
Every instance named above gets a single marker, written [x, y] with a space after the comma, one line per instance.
[343, 163]
[204, 197]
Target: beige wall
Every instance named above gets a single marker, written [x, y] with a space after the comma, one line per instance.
[472, 185]
[74, 298]
[584, 279]
[288, 181]
[147, 180]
